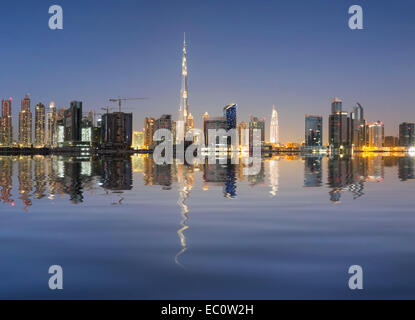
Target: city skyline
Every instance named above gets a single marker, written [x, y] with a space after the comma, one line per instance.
[294, 74]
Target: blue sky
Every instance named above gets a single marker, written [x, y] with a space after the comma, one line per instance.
[294, 54]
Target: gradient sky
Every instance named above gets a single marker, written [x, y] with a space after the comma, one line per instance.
[294, 54]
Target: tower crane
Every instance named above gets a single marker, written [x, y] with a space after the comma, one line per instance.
[120, 100]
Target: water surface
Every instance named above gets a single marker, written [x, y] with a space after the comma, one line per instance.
[126, 228]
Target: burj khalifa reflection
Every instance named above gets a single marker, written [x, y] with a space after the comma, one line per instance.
[185, 182]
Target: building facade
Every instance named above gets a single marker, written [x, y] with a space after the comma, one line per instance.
[6, 125]
[274, 127]
[117, 130]
[376, 134]
[339, 124]
[148, 131]
[73, 123]
[40, 119]
[25, 123]
[313, 131]
[407, 134]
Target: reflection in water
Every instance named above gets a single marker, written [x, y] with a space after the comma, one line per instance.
[40, 177]
[48, 178]
[312, 172]
[185, 181]
[274, 176]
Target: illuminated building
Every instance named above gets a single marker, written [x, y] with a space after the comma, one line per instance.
[25, 123]
[190, 122]
[51, 136]
[60, 132]
[40, 118]
[181, 126]
[6, 126]
[274, 127]
[138, 139]
[358, 132]
[243, 135]
[376, 134]
[256, 124]
[229, 113]
[148, 131]
[211, 123]
[313, 131]
[338, 125]
[407, 134]
[164, 122]
[205, 117]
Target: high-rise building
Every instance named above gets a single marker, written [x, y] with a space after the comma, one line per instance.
[164, 122]
[358, 130]
[25, 123]
[73, 123]
[181, 125]
[407, 134]
[205, 117]
[243, 135]
[211, 123]
[229, 113]
[6, 126]
[138, 139]
[376, 134]
[40, 118]
[51, 136]
[339, 124]
[148, 131]
[274, 135]
[258, 124]
[190, 122]
[117, 130]
[313, 131]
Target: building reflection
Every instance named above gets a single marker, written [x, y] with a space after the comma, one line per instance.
[6, 182]
[40, 178]
[274, 175]
[313, 171]
[25, 178]
[406, 168]
[185, 181]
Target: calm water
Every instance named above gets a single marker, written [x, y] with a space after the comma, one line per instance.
[127, 228]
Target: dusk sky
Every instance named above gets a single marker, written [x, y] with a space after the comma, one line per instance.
[294, 54]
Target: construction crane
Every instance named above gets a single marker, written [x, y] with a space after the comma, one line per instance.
[119, 100]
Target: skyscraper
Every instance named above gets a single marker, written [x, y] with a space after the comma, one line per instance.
[51, 137]
[25, 123]
[229, 113]
[358, 132]
[73, 122]
[40, 124]
[313, 131]
[338, 125]
[258, 124]
[117, 130]
[148, 131]
[6, 127]
[376, 134]
[181, 126]
[274, 136]
[407, 134]
[243, 135]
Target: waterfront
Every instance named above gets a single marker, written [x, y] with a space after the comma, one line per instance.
[127, 228]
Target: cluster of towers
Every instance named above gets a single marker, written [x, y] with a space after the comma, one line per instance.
[226, 122]
[25, 129]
